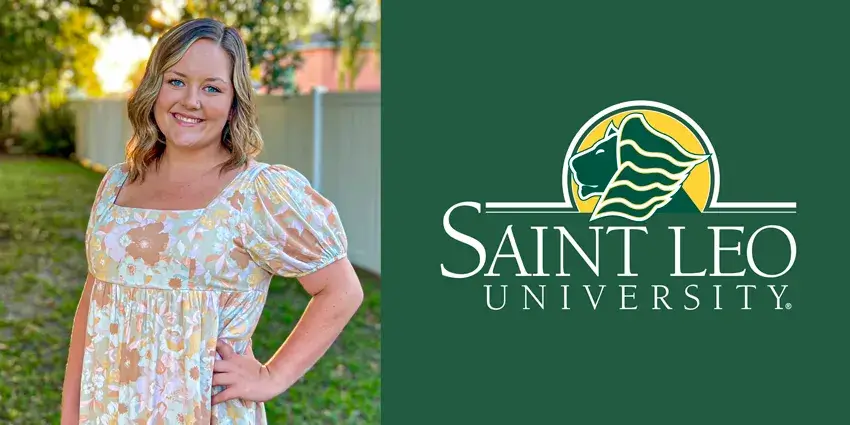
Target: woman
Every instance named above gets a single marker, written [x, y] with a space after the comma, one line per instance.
[182, 242]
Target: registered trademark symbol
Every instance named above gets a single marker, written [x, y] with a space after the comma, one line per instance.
[788, 306]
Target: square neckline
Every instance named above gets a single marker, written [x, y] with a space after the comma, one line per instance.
[114, 201]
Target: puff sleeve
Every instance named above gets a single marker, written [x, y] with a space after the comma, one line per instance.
[288, 228]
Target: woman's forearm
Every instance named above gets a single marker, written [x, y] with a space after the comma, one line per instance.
[74, 366]
[323, 320]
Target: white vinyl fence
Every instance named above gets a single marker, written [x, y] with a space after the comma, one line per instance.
[332, 138]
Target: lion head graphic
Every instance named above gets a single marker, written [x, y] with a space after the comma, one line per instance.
[635, 171]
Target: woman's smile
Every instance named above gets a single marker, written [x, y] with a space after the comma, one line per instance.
[185, 120]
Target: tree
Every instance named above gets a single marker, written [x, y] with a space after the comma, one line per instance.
[79, 54]
[135, 14]
[38, 51]
[30, 58]
[349, 32]
[46, 48]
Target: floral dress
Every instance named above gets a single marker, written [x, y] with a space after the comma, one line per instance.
[169, 284]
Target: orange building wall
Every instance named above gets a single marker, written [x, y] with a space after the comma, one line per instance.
[320, 68]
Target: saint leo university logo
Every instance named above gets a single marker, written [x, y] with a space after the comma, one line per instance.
[637, 159]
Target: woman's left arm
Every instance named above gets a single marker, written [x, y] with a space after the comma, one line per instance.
[336, 295]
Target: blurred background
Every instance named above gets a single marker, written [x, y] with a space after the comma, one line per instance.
[66, 70]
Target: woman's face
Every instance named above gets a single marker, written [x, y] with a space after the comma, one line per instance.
[195, 97]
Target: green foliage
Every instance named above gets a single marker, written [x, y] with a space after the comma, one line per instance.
[30, 58]
[135, 14]
[40, 53]
[44, 207]
[6, 132]
[54, 133]
[45, 43]
[79, 54]
[57, 127]
[349, 32]
[46, 49]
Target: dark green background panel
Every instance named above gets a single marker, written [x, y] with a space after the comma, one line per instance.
[481, 101]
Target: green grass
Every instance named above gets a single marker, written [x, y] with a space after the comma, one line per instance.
[44, 207]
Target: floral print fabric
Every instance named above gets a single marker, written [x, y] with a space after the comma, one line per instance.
[169, 284]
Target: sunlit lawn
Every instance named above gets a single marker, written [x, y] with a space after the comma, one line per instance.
[44, 207]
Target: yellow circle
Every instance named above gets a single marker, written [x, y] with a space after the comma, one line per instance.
[698, 183]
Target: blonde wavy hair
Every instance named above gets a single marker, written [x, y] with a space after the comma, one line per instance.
[240, 136]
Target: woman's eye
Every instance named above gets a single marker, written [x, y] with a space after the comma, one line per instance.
[178, 83]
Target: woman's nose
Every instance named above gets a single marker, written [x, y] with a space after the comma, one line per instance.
[191, 101]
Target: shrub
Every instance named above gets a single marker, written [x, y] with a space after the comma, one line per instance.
[56, 127]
